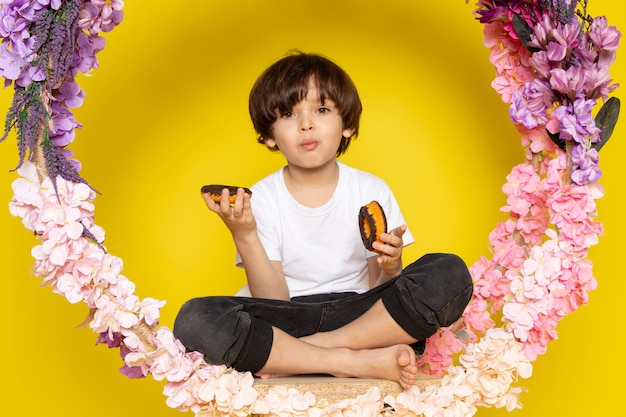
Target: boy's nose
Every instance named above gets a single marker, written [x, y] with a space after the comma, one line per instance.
[306, 124]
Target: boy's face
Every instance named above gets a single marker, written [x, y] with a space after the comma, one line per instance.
[309, 134]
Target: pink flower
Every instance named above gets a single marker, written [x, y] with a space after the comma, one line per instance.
[522, 189]
[492, 366]
[149, 310]
[232, 393]
[532, 226]
[571, 204]
[366, 405]
[283, 401]
[110, 268]
[437, 356]
[509, 57]
[488, 286]
[180, 394]
[521, 319]
[507, 253]
[605, 38]
[27, 198]
[168, 360]
[101, 15]
[117, 309]
[449, 400]
[477, 318]
[136, 352]
[537, 140]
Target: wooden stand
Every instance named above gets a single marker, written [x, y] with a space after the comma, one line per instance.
[337, 389]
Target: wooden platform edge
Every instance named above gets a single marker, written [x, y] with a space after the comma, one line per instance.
[337, 389]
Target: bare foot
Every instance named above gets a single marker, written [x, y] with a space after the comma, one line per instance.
[393, 363]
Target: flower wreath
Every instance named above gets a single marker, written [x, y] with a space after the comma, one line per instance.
[551, 61]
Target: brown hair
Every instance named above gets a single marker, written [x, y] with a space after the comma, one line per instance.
[286, 82]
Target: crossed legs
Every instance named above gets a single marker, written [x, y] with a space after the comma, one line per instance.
[372, 346]
[355, 335]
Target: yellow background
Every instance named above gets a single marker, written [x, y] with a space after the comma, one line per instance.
[167, 113]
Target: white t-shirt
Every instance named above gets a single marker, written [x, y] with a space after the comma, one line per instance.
[320, 248]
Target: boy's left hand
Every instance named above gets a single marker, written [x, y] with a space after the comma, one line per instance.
[390, 258]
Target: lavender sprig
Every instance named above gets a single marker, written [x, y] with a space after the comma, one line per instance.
[58, 165]
[53, 52]
[41, 56]
[55, 45]
[29, 116]
[562, 11]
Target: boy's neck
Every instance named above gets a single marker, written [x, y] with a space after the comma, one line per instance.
[312, 187]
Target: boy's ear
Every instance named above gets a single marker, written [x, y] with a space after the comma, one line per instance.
[269, 142]
[348, 133]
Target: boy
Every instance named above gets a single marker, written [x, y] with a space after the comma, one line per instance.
[317, 301]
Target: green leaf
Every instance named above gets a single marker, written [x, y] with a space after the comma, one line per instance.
[606, 120]
[556, 138]
[463, 335]
[523, 31]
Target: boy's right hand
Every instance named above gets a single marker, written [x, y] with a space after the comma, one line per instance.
[237, 217]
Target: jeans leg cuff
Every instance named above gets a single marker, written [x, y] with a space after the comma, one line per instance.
[256, 349]
[394, 305]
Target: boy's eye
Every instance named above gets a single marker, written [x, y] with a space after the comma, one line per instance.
[287, 115]
[323, 110]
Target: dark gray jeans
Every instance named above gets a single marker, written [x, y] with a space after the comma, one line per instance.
[430, 293]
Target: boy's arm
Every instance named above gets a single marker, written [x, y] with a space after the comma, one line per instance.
[388, 264]
[265, 277]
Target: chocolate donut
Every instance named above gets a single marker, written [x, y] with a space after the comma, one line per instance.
[372, 222]
[215, 191]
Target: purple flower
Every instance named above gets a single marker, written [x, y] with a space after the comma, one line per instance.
[85, 57]
[129, 371]
[556, 51]
[11, 64]
[604, 36]
[12, 25]
[597, 83]
[585, 55]
[29, 75]
[585, 162]
[54, 4]
[24, 8]
[605, 40]
[113, 341]
[529, 107]
[76, 166]
[493, 10]
[588, 73]
[62, 131]
[101, 15]
[570, 83]
[132, 371]
[577, 123]
[541, 63]
[558, 40]
[585, 121]
[70, 94]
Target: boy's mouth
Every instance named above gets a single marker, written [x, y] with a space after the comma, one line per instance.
[309, 145]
